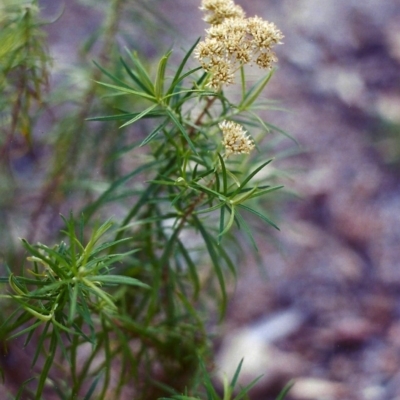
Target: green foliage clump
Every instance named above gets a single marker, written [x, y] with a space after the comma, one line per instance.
[23, 69]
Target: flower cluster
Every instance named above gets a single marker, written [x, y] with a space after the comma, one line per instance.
[221, 9]
[233, 40]
[235, 139]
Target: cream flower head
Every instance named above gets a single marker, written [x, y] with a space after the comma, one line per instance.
[233, 41]
[220, 9]
[235, 138]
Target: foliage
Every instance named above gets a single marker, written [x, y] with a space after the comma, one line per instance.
[124, 311]
[23, 68]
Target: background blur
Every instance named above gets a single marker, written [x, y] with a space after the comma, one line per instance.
[322, 304]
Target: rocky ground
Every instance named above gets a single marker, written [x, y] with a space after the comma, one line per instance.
[328, 315]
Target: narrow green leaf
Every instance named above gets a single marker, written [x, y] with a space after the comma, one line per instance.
[33, 250]
[118, 279]
[21, 390]
[243, 196]
[42, 314]
[177, 78]
[39, 344]
[149, 193]
[194, 172]
[125, 90]
[29, 337]
[8, 326]
[111, 76]
[30, 328]
[236, 375]
[89, 210]
[99, 293]
[134, 77]
[139, 116]
[175, 120]
[256, 118]
[160, 77]
[108, 359]
[243, 82]
[230, 221]
[224, 254]
[60, 392]
[162, 182]
[221, 223]
[207, 190]
[205, 173]
[83, 310]
[61, 345]
[47, 365]
[49, 291]
[60, 265]
[244, 391]
[211, 393]
[106, 245]
[29, 281]
[262, 192]
[177, 198]
[94, 266]
[254, 92]
[285, 390]
[154, 133]
[195, 92]
[252, 174]
[243, 224]
[72, 237]
[233, 177]
[217, 182]
[73, 302]
[224, 177]
[209, 241]
[284, 133]
[209, 209]
[16, 286]
[181, 78]
[141, 71]
[263, 217]
[192, 268]
[127, 116]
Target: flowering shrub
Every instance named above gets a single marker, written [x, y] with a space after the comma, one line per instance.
[123, 311]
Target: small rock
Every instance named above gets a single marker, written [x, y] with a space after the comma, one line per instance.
[318, 389]
[261, 358]
[351, 331]
[388, 106]
[374, 393]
